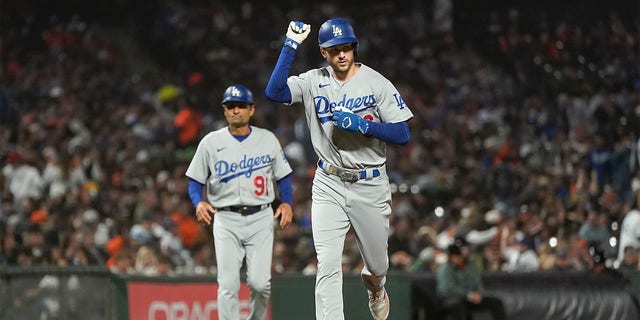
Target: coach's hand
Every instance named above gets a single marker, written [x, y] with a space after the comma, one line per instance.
[349, 121]
[285, 213]
[205, 212]
[296, 33]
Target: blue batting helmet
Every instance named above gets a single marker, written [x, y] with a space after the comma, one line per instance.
[237, 93]
[336, 31]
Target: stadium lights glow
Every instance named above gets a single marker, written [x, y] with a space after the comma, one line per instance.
[439, 212]
[614, 226]
[613, 242]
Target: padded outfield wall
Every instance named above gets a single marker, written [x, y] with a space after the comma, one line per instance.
[95, 293]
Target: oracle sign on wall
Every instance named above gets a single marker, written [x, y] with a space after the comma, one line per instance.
[180, 301]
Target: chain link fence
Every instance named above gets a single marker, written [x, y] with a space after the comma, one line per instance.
[56, 293]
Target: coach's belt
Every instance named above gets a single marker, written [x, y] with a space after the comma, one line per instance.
[245, 210]
[348, 175]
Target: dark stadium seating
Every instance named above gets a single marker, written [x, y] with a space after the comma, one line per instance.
[538, 296]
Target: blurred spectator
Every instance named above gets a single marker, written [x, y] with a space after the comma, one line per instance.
[475, 228]
[188, 122]
[460, 288]
[522, 256]
[123, 263]
[165, 266]
[144, 233]
[562, 261]
[492, 258]
[424, 241]
[54, 182]
[595, 229]
[146, 261]
[426, 261]
[188, 228]
[601, 269]
[96, 255]
[311, 268]
[203, 261]
[22, 178]
[581, 252]
[400, 251]
[599, 159]
[171, 244]
[546, 256]
[36, 246]
[283, 261]
[10, 248]
[630, 269]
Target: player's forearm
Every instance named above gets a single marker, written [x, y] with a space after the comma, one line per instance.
[195, 191]
[277, 89]
[397, 133]
[286, 190]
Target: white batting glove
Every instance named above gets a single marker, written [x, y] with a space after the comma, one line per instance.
[296, 33]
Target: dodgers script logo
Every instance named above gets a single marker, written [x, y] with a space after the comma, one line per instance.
[226, 171]
[324, 107]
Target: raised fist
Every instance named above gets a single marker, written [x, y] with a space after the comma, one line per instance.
[296, 33]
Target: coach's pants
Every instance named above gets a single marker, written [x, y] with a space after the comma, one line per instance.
[236, 237]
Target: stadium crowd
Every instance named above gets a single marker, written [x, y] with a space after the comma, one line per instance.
[525, 141]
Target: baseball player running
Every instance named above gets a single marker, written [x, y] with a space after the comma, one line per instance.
[239, 164]
[352, 112]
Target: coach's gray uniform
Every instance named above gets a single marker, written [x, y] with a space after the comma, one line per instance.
[337, 204]
[241, 173]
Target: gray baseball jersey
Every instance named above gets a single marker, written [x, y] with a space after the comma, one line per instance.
[368, 94]
[239, 173]
[338, 205]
